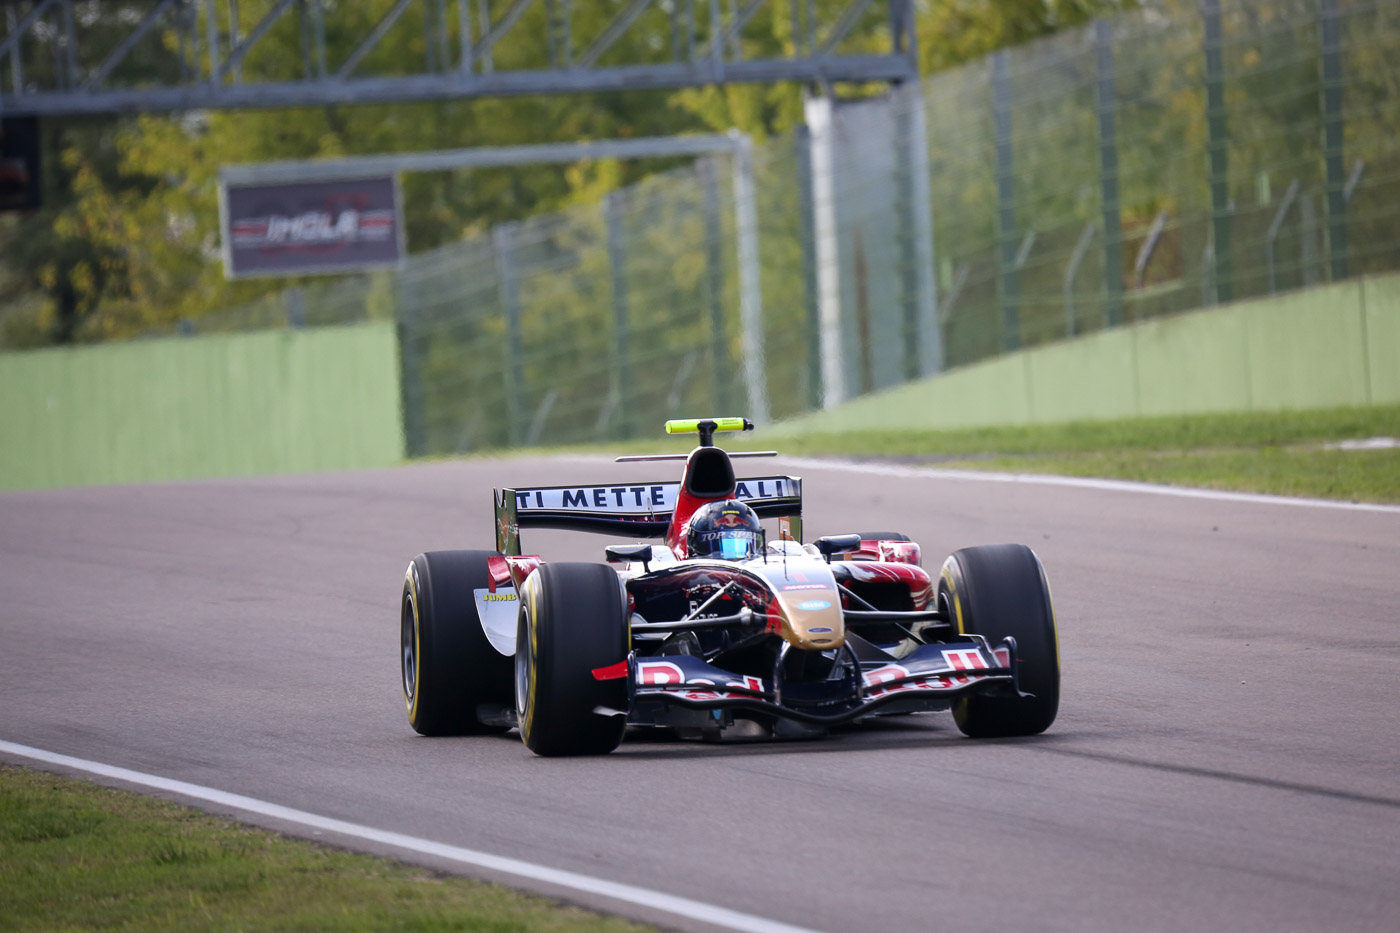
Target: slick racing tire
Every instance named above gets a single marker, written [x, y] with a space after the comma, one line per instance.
[996, 591]
[449, 668]
[573, 620]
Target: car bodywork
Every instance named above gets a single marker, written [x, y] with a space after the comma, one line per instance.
[803, 637]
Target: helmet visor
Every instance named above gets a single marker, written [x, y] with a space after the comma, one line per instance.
[736, 546]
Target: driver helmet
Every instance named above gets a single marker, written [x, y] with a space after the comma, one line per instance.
[724, 530]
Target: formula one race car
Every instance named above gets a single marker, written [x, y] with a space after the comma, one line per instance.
[718, 629]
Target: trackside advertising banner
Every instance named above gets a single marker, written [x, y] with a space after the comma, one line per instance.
[318, 226]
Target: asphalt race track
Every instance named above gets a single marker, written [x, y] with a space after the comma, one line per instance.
[1227, 754]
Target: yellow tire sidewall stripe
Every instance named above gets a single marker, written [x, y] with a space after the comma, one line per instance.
[411, 582]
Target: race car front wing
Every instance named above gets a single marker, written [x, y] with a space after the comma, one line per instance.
[928, 678]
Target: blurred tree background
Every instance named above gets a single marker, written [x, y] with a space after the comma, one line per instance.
[128, 235]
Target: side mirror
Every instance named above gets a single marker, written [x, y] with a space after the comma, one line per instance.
[629, 554]
[837, 544]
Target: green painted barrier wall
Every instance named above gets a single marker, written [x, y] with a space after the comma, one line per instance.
[274, 401]
[1337, 345]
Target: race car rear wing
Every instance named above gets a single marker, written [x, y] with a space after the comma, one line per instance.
[634, 510]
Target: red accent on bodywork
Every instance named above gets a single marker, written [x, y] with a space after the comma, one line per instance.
[775, 618]
[887, 551]
[521, 567]
[871, 571]
[899, 552]
[499, 569]
[611, 672]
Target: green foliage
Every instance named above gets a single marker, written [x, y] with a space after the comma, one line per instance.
[128, 239]
[952, 32]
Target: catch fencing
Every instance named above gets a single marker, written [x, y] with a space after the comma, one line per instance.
[1184, 155]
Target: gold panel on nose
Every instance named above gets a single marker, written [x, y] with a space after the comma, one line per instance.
[812, 620]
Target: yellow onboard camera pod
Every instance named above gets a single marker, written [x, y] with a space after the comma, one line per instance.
[692, 425]
[706, 427]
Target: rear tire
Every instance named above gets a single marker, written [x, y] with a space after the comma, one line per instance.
[573, 619]
[449, 668]
[996, 591]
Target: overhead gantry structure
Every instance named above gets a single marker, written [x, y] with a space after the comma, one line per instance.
[69, 57]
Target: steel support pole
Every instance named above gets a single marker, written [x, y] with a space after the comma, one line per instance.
[13, 35]
[614, 211]
[714, 283]
[1107, 103]
[70, 48]
[1333, 127]
[503, 240]
[820, 114]
[211, 25]
[810, 301]
[1009, 276]
[464, 38]
[1217, 145]
[923, 340]
[750, 283]
[483, 157]
[235, 36]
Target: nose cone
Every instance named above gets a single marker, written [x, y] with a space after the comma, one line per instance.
[806, 598]
[814, 623]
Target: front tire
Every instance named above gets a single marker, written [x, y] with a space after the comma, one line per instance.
[449, 668]
[573, 620]
[996, 591]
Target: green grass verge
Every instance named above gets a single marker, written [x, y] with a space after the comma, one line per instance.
[1275, 452]
[75, 856]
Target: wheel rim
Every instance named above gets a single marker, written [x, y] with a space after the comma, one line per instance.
[524, 661]
[406, 645]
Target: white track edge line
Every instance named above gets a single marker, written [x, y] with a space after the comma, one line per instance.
[672, 904]
[1083, 482]
[1050, 479]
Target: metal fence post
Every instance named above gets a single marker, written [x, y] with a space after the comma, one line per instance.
[810, 303]
[295, 301]
[714, 283]
[1307, 220]
[1271, 238]
[1008, 275]
[1080, 248]
[750, 283]
[503, 241]
[1333, 125]
[411, 344]
[613, 210]
[1217, 145]
[1107, 101]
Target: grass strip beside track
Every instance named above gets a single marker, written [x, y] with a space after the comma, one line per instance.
[1283, 453]
[1271, 452]
[75, 856]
